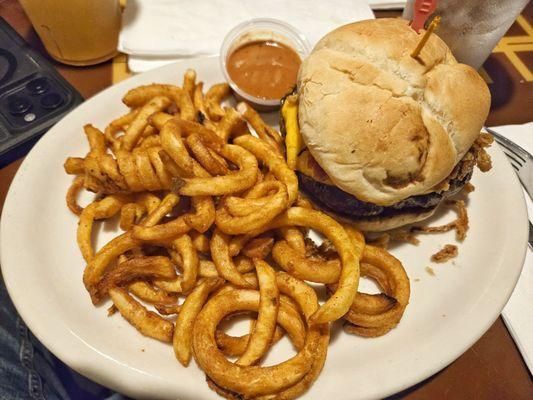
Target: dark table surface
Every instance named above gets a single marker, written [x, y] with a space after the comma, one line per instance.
[492, 368]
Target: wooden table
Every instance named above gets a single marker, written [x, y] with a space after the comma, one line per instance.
[492, 368]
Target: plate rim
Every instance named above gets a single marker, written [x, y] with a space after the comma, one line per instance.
[121, 384]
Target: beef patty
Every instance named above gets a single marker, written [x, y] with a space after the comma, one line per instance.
[333, 199]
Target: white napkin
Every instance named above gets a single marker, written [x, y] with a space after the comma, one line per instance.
[158, 31]
[518, 313]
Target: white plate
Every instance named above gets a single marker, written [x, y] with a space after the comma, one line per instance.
[42, 268]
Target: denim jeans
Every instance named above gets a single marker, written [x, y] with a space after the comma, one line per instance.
[29, 371]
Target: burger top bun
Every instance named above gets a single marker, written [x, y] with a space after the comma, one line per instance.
[383, 125]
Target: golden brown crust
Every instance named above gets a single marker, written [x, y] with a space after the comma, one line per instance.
[381, 124]
[221, 391]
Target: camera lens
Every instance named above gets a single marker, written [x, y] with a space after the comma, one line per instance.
[18, 105]
[51, 101]
[38, 86]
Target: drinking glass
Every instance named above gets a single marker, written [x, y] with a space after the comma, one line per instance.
[76, 32]
[472, 28]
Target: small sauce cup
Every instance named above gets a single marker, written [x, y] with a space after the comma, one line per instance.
[258, 30]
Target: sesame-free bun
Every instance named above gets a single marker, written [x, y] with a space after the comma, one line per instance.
[382, 224]
[383, 125]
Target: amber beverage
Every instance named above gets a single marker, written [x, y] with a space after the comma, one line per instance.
[76, 32]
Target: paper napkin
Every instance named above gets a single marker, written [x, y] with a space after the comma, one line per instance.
[518, 313]
[155, 32]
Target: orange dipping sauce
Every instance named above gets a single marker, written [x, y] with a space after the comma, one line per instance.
[266, 70]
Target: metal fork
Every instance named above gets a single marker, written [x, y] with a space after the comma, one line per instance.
[522, 161]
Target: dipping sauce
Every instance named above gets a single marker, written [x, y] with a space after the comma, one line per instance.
[266, 69]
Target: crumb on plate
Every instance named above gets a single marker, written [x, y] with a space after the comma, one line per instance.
[448, 252]
[111, 310]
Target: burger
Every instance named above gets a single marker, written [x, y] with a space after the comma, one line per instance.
[380, 138]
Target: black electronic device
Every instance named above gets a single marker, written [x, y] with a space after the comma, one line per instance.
[33, 96]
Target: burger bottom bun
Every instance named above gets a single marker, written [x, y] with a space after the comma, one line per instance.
[380, 224]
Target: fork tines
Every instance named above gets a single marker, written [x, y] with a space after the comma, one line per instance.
[517, 156]
[515, 159]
